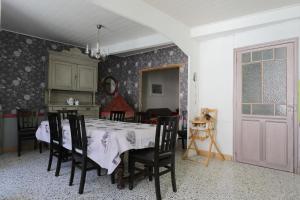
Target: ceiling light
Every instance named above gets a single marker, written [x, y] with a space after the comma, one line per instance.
[97, 53]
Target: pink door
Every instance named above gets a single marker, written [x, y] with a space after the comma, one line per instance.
[265, 105]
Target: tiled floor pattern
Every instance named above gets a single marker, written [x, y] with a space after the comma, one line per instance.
[26, 178]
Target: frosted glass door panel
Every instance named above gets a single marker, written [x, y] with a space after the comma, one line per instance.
[275, 81]
[264, 82]
[252, 83]
[263, 109]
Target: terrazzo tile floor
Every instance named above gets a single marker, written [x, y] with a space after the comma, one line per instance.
[26, 178]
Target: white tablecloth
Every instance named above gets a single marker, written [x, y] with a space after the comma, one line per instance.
[107, 140]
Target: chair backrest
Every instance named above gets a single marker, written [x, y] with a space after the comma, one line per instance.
[165, 138]
[141, 117]
[27, 119]
[55, 128]
[117, 116]
[65, 113]
[78, 134]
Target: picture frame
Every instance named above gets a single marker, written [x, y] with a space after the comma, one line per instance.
[156, 89]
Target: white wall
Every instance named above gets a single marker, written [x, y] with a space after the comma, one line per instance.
[215, 71]
[170, 80]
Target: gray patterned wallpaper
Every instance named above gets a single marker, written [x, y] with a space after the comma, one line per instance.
[23, 70]
[126, 71]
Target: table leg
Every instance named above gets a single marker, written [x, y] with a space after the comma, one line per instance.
[120, 173]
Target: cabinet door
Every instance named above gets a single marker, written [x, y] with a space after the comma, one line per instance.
[62, 75]
[86, 78]
[89, 111]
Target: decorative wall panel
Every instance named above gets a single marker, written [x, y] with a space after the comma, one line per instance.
[23, 70]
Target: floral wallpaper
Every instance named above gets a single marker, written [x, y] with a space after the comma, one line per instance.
[126, 71]
[24, 65]
[23, 70]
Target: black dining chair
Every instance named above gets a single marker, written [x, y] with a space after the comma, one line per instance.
[79, 150]
[56, 142]
[117, 116]
[27, 123]
[65, 113]
[141, 117]
[162, 155]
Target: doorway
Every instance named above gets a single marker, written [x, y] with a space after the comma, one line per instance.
[159, 88]
[265, 117]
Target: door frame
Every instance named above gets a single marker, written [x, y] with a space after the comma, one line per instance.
[157, 68]
[296, 167]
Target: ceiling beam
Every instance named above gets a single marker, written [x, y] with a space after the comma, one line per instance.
[137, 44]
[248, 21]
[143, 13]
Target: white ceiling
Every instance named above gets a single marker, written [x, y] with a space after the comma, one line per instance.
[199, 12]
[69, 21]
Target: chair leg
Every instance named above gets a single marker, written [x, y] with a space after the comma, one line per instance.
[157, 184]
[150, 173]
[112, 178]
[72, 172]
[131, 173]
[35, 144]
[19, 146]
[99, 171]
[50, 159]
[41, 147]
[58, 165]
[83, 176]
[173, 177]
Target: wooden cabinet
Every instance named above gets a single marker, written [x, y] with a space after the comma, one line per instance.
[72, 70]
[72, 74]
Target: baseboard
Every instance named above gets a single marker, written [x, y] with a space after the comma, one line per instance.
[215, 155]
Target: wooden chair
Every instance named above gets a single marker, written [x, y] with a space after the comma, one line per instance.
[203, 128]
[117, 116]
[141, 117]
[65, 113]
[27, 121]
[79, 150]
[162, 155]
[56, 143]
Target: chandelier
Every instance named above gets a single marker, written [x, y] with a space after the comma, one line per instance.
[97, 53]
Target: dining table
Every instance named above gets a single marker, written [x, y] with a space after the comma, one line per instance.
[107, 141]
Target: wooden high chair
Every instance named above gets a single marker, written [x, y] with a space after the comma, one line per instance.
[203, 128]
